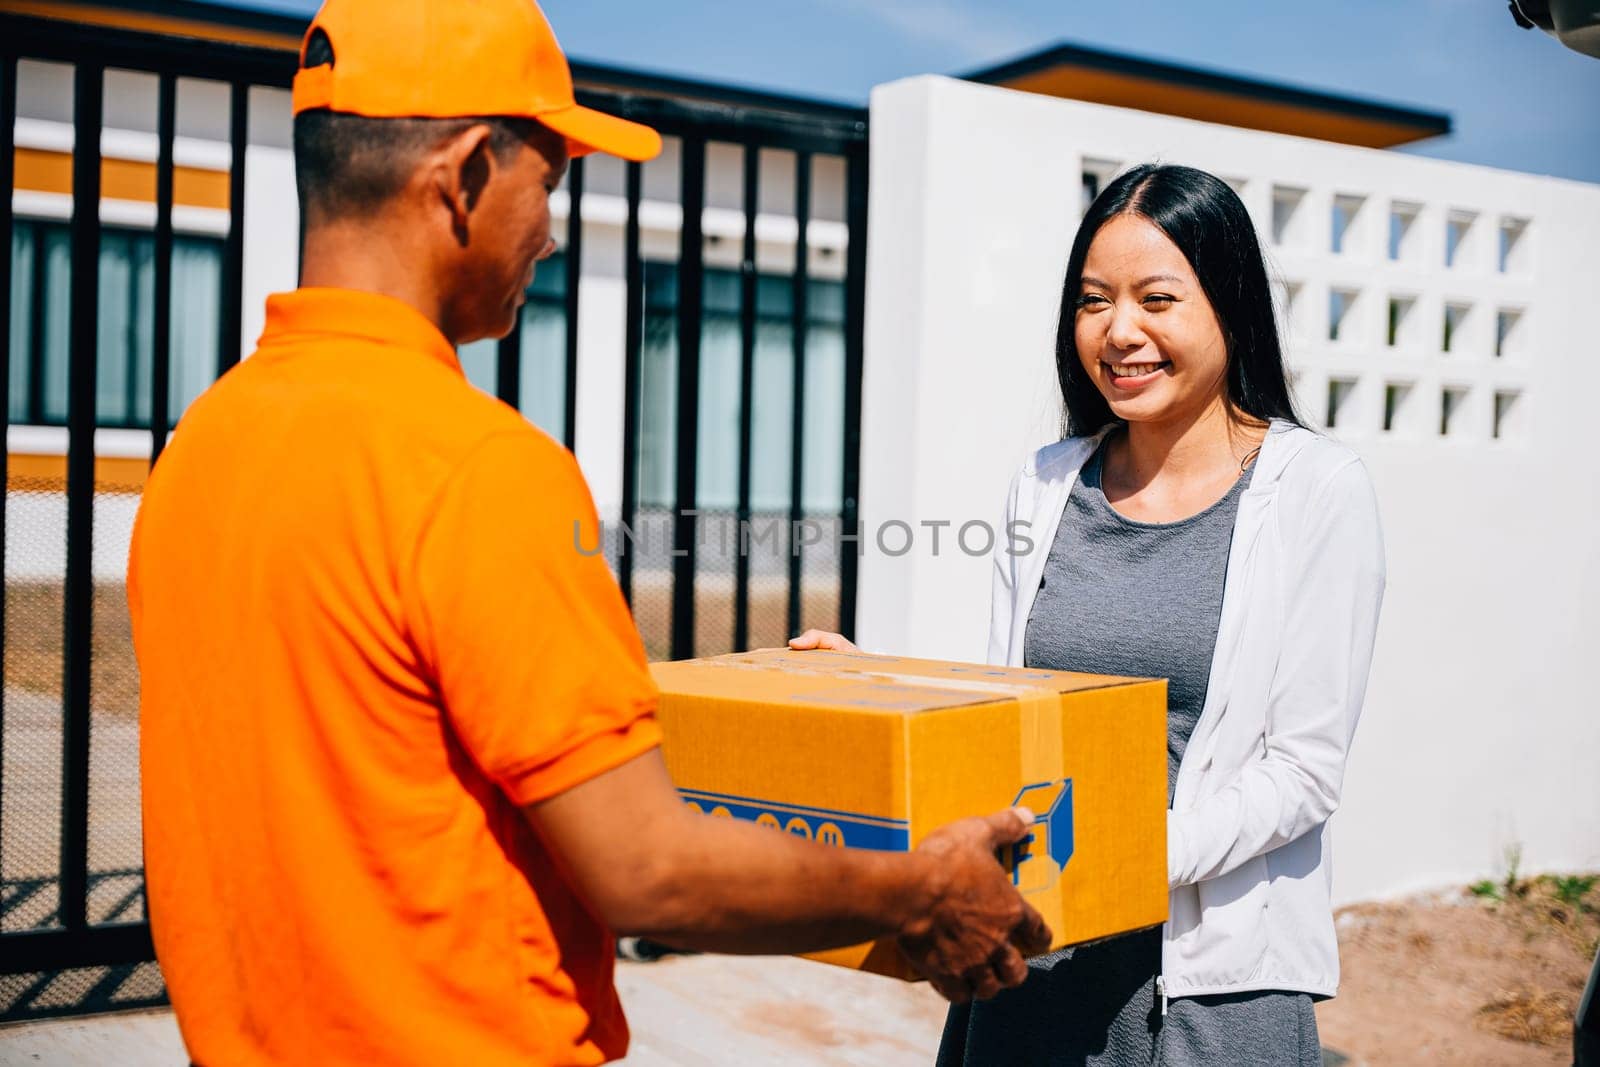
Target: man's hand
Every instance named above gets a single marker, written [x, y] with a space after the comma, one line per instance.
[653, 868]
[972, 940]
[825, 639]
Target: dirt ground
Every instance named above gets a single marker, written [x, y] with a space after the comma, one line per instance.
[33, 644]
[1486, 978]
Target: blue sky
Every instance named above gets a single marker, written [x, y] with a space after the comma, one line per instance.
[1518, 98]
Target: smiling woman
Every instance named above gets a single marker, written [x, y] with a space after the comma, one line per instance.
[1195, 531]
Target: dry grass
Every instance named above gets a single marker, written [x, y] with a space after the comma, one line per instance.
[1539, 1017]
[1567, 909]
[1488, 977]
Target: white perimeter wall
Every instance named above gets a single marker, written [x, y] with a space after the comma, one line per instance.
[1482, 725]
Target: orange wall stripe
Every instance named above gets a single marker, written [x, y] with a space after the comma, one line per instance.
[1209, 105]
[43, 171]
[26, 471]
[149, 22]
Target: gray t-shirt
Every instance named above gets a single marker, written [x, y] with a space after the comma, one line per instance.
[1135, 598]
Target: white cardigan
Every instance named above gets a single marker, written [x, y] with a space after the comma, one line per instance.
[1248, 855]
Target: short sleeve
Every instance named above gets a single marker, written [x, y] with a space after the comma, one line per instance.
[536, 660]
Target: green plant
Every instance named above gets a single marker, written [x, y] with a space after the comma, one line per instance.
[1488, 889]
[1572, 888]
[1513, 886]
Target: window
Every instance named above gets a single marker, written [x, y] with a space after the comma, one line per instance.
[542, 382]
[1097, 174]
[1452, 400]
[1340, 390]
[1457, 235]
[1287, 305]
[1341, 303]
[1286, 214]
[772, 392]
[1455, 318]
[1511, 251]
[1346, 209]
[1402, 230]
[1091, 189]
[1507, 406]
[1507, 332]
[1395, 402]
[41, 260]
[1400, 308]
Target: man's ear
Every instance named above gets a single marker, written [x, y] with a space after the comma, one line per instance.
[458, 172]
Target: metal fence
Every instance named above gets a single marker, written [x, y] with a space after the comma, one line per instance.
[73, 931]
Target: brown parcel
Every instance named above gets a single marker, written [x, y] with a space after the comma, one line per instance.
[876, 751]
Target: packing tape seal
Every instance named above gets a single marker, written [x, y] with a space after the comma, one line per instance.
[1038, 708]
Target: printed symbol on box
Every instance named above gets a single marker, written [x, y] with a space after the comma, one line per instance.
[768, 819]
[1038, 859]
[697, 809]
[721, 812]
[799, 827]
[830, 834]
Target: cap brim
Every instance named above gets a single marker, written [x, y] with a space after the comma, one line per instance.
[587, 130]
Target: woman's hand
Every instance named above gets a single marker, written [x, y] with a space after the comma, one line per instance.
[822, 639]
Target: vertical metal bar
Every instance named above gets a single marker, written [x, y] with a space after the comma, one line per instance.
[8, 125]
[574, 270]
[855, 304]
[633, 270]
[161, 341]
[691, 283]
[747, 369]
[798, 314]
[508, 364]
[78, 632]
[233, 248]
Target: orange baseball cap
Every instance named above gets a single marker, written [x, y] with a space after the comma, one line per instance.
[456, 59]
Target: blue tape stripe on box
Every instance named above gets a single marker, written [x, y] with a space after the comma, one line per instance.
[832, 827]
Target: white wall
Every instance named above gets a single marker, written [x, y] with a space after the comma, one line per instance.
[1481, 728]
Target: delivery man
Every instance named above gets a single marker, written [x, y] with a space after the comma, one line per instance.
[401, 775]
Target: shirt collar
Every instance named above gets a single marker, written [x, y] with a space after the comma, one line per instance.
[351, 313]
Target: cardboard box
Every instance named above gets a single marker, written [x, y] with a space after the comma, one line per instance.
[876, 751]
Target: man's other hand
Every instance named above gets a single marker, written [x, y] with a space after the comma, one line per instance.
[972, 940]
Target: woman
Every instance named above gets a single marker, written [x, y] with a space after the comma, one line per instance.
[1189, 527]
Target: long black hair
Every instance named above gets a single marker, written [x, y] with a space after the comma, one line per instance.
[1204, 217]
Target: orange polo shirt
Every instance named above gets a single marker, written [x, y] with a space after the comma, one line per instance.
[367, 635]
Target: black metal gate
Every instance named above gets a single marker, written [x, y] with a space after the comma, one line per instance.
[73, 931]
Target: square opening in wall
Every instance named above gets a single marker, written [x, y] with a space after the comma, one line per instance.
[1097, 174]
[1401, 321]
[1340, 391]
[1346, 210]
[1287, 220]
[1403, 230]
[1286, 302]
[1451, 403]
[1341, 313]
[1396, 405]
[1507, 413]
[1508, 332]
[1455, 320]
[1458, 238]
[1512, 253]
